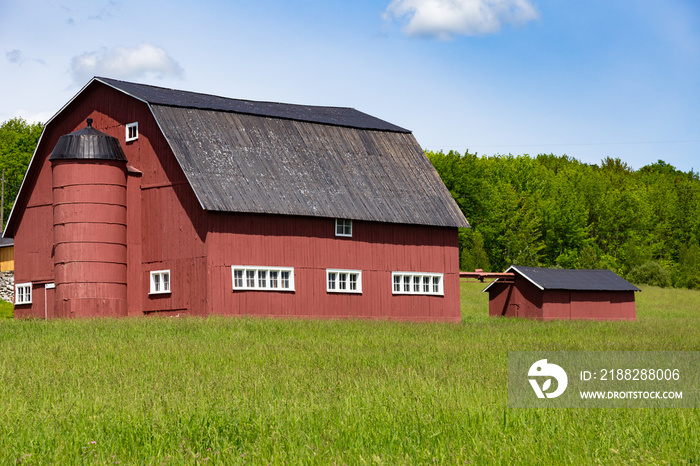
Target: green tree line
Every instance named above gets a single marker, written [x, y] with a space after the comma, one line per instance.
[554, 211]
[18, 139]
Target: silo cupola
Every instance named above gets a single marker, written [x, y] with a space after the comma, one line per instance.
[88, 143]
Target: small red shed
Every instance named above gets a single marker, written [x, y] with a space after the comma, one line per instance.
[546, 294]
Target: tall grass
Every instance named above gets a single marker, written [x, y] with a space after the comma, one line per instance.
[266, 391]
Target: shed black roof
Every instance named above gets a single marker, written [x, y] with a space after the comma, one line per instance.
[572, 279]
[263, 157]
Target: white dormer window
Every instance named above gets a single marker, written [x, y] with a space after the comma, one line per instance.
[132, 131]
[343, 227]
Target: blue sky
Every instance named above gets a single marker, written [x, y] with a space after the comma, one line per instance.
[587, 79]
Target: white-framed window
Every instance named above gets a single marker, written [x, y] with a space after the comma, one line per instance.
[417, 283]
[160, 281]
[250, 277]
[132, 131]
[343, 281]
[23, 293]
[343, 227]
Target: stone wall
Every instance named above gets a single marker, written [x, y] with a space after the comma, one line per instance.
[7, 286]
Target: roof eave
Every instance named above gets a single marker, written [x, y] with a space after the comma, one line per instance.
[526, 277]
[513, 267]
[11, 219]
[101, 80]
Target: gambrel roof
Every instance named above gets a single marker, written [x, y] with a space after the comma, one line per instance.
[276, 158]
[265, 157]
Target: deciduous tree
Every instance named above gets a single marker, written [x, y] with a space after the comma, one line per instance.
[18, 139]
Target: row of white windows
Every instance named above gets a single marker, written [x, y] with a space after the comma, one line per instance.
[337, 280]
[282, 279]
[160, 284]
[272, 278]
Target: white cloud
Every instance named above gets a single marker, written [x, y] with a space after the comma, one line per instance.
[125, 63]
[14, 56]
[445, 19]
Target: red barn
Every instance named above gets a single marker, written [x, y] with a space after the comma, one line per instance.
[178, 203]
[546, 294]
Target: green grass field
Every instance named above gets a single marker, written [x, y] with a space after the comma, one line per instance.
[267, 391]
[6, 309]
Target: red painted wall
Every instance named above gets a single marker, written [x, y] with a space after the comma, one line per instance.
[521, 299]
[601, 305]
[310, 246]
[167, 229]
[34, 242]
[556, 304]
[499, 298]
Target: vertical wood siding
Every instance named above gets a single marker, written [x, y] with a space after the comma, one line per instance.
[89, 223]
[603, 305]
[522, 299]
[310, 246]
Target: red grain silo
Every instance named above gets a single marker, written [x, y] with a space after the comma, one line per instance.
[89, 217]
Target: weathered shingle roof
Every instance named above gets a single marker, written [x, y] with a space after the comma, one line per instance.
[261, 157]
[572, 279]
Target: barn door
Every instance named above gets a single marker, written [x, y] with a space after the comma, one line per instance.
[49, 298]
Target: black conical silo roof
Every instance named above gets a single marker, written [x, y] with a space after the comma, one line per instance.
[87, 143]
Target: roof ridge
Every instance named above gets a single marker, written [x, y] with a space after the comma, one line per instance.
[336, 116]
[217, 96]
[572, 279]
